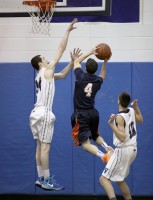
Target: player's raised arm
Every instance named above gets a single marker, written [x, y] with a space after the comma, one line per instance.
[74, 55]
[83, 57]
[118, 130]
[103, 69]
[49, 72]
[138, 115]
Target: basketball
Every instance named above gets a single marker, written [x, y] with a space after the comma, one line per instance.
[103, 52]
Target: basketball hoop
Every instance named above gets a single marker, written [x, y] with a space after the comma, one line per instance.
[41, 13]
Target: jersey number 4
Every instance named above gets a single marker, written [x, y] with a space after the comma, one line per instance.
[88, 89]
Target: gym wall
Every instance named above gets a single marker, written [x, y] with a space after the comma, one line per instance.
[77, 170]
[130, 69]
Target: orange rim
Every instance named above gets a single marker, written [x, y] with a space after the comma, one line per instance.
[44, 5]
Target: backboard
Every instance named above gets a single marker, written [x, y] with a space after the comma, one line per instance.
[15, 8]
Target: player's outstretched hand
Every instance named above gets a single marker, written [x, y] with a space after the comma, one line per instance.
[93, 50]
[134, 103]
[71, 27]
[75, 54]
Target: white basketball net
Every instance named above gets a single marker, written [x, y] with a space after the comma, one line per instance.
[41, 19]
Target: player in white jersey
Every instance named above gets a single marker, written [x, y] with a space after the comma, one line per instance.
[41, 118]
[124, 130]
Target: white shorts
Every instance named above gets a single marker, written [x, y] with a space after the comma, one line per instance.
[42, 124]
[117, 168]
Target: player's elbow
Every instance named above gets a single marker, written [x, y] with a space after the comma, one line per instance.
[62, 75]
[140, 120]
[59, 76]
[103, 76]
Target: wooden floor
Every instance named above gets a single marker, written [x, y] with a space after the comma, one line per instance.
[65, 197]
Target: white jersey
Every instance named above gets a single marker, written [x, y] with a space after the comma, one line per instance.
[130, 129]
[45, 90]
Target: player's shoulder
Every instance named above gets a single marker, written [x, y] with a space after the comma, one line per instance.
[119, 116]
[131, 109]
[79, 73]
[78, 69]
[41, 72]
[119, 119]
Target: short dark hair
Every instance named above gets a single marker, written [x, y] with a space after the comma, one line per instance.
[91, 66]
[124, 99]
[35, 62]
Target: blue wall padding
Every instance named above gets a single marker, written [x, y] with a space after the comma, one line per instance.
[142, 82]
[17, 166]
[77, 170]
